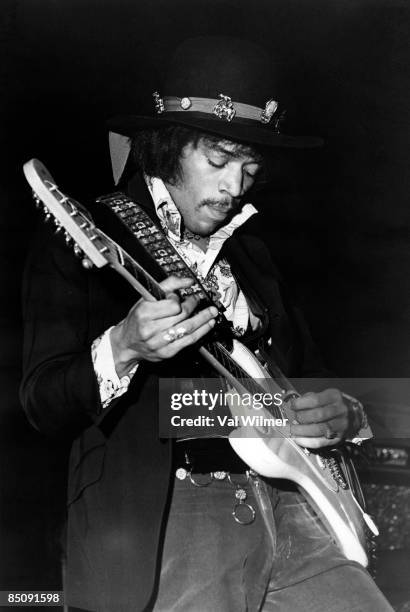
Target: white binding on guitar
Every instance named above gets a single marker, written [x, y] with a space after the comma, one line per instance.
[273, 456]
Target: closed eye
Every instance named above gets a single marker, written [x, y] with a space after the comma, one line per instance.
[215, 165]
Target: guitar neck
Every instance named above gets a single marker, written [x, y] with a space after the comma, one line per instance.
[137, 276]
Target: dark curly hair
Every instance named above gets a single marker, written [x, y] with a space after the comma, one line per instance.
[158, 152]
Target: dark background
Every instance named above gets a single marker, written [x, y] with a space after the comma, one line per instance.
[337, 220]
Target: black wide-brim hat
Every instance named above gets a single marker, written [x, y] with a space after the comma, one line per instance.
[220, 85]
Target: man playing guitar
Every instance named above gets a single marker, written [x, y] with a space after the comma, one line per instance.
[186, 526]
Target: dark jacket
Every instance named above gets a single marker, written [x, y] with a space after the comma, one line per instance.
[119, 480]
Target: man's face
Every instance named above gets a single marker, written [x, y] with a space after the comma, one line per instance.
[214, 178]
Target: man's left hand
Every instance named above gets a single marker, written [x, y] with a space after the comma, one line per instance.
[321, 419]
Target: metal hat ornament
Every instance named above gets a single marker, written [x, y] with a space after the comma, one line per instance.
[223, 108]
[220, 85]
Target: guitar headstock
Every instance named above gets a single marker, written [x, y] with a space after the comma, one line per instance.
[71, 218]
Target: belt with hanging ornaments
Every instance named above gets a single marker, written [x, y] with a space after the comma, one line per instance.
[223, 108]
[243, 512]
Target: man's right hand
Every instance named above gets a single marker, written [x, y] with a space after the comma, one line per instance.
[149, 329]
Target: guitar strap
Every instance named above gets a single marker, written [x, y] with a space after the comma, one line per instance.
[155, 243]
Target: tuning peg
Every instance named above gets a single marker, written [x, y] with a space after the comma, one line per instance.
[77, 251]
[87, 263]
[67, 237]
[36, 199]
[47, 217]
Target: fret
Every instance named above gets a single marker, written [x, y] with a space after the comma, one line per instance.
[141, 275]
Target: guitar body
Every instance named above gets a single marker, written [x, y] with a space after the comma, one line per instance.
[268, 450]
[275, 455]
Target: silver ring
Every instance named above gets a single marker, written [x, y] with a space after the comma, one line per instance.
[170, 335]
[201, 484]
[239, 484]
[180, 333]
[249, 509]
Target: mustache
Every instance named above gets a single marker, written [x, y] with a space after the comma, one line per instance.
[220, 203]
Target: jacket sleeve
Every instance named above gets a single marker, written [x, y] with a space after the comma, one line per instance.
[59, 390]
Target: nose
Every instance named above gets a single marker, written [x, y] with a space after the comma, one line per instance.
[231, 182]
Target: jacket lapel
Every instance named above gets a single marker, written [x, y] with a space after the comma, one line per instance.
[261, 287]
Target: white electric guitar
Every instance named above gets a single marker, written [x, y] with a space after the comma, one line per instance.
[323, 477]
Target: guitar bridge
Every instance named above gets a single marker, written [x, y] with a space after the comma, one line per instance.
[336, 471]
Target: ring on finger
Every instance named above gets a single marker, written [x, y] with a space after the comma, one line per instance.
[180, 333]
[170, 335]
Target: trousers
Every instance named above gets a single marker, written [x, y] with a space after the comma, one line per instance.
[284, 560]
